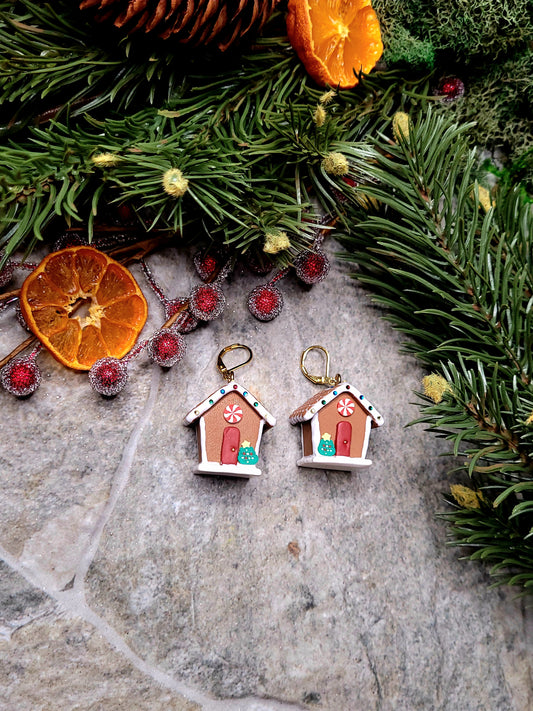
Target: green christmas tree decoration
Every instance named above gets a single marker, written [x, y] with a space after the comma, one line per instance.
[326, 446]
[247, 454]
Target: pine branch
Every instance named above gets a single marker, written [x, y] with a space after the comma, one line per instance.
[495, 539]
[250, 158]
[53, 57]
[245, 138]
[456, 278]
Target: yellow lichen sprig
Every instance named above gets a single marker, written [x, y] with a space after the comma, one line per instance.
[466, 497]
[327, 96]
[435, 386]
[276, 241]
[401, 126]
[484, 198]
[175, 183]
[335, 164]
[319, 116]
[105, 160]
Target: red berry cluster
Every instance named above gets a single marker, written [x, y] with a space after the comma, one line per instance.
[108, 376]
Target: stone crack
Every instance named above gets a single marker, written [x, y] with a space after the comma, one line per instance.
[73, 601]
[120, 481]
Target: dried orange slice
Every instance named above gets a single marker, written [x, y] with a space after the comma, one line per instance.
[83, 306]
[335, 38]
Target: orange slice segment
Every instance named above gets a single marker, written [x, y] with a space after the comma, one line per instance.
[41, 292]
[113, 286]
[83, 306]
[125, 311]
[335, 39]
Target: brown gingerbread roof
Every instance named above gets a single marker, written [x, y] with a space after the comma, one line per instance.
[319, 400]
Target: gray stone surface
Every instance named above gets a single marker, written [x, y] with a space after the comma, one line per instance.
[298, 589]
[52, 661]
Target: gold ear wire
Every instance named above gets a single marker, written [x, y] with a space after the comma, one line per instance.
[319, 379]
[228, 374]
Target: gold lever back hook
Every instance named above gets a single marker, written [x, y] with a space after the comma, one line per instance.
[228, 374]
[319, 379]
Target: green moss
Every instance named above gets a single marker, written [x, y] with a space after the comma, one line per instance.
[500, 101]
[401, 48]
[487, 43]
[467, 30]
[473, 29]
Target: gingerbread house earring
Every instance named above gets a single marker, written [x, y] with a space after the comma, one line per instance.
[335, 423]
[229, 425]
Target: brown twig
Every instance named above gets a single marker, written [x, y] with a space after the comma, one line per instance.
[10, 294]
[172, 320]
[138, 250]
[21, 347]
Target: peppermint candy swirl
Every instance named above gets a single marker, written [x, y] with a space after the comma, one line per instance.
[233, 414]
[346, 407]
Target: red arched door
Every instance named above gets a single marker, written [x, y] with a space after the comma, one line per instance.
[230, 445]
[343, 439]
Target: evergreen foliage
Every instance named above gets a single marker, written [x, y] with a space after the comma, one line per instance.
[51, 56]
[456, 276]
[246, 140]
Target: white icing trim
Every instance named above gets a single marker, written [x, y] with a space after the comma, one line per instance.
[249, 398]
[368, 427]
[201, 425]
[315, 435]
[244, 471]
[319, 461]
[259, 435]
[328, 396]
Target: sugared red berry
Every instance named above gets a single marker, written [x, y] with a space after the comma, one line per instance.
[259, 264]
[166, 347]
[207, 302]
[206, 264]
[450, 88]
[311, 267]
[108, 376]
[265, 302]
[21, 377]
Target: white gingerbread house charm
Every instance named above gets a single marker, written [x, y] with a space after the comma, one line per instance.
[335, 423]
[336, 426]
[229, 424]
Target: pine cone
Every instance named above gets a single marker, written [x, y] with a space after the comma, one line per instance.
[195, 22]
